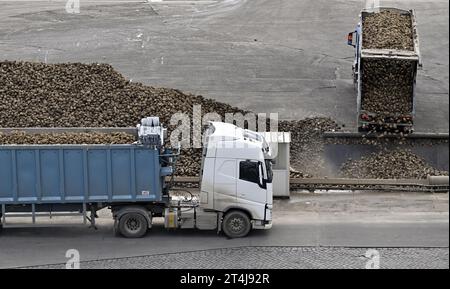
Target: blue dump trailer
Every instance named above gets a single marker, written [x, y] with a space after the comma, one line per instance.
[79, 180]
[68, 174]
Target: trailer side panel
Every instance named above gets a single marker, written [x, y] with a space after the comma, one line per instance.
[79, 174]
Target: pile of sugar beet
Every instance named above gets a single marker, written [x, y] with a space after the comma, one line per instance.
[387, 84]
[95, 95]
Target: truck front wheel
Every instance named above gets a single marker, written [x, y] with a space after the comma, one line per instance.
[236, 224]
[133, 225]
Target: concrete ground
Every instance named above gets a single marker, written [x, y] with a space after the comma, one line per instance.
[285, 56]
[345, 220]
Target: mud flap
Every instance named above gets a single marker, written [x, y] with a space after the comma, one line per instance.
[219, 222]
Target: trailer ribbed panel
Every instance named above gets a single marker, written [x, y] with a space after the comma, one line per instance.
[79, 174]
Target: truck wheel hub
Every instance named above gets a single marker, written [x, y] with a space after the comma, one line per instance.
[133, 224]
[237, 224]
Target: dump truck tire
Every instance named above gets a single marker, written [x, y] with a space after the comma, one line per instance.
[133, 225]
[236, 224]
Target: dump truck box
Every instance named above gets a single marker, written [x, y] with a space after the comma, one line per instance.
[64, 174]
[368, 119]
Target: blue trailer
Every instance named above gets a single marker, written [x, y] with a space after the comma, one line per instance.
[69, 180]
[76, 179]
[67, 174]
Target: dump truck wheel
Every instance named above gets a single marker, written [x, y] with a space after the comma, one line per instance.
[236, 224]
[133, 225]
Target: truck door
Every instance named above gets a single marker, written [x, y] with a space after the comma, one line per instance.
[225, 183]
[251, 187]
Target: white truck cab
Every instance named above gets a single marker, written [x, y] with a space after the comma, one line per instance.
[236, 178]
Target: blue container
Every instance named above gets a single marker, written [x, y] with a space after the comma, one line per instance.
[64, 174]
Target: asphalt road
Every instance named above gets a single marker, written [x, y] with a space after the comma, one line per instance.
[288, 57]
[343, 220]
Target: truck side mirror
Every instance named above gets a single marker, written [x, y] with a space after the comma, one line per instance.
[350, 39]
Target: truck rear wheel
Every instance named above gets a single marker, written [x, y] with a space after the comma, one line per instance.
[133, 225]
[236, 224]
